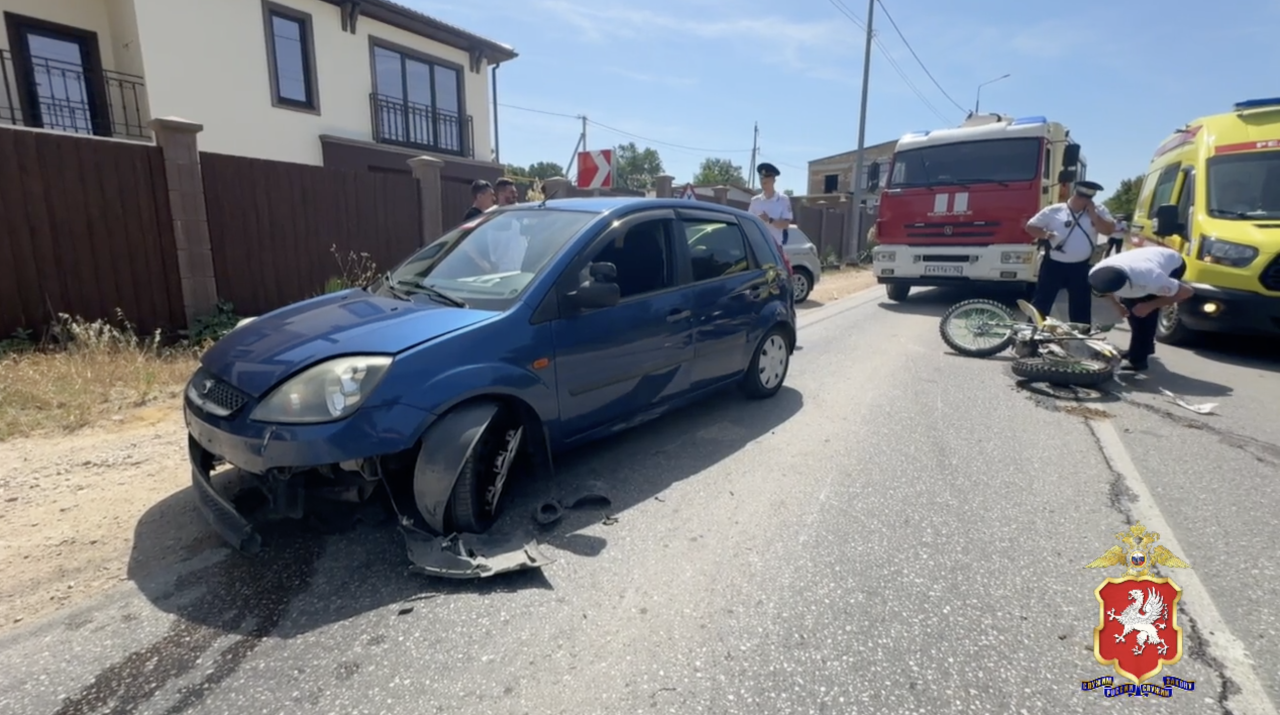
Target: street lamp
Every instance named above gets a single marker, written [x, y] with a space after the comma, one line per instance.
[978, 98]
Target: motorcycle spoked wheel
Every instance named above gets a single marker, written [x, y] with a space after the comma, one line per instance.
[1073, 373]
[975, 310]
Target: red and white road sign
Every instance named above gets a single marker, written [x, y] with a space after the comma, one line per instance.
[595, 169]
[688, 193]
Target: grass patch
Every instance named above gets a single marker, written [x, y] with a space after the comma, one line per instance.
[87, 371]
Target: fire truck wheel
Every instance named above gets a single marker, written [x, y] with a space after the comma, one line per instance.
[897, 292]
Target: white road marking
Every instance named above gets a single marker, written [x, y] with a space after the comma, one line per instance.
[1237, 665]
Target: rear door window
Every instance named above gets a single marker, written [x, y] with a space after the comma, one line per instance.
[716, 248]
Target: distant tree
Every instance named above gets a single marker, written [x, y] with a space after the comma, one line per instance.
[512, 171]
[544, 170]
[719, 172]
[788, 192]
[635, 168]
[1125, 198]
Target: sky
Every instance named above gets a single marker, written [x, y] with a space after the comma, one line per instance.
[689, 78]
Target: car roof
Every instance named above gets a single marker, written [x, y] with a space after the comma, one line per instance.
[611, 204]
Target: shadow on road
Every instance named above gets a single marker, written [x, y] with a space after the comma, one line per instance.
[366, 567]
[1241, 351]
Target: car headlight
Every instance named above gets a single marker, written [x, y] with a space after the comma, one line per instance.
[1015, 257]
[326, 392]
[886, 256]
[1225, 253]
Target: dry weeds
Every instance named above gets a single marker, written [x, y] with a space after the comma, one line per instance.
[95, 371]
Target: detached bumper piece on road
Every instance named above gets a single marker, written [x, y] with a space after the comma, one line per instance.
[456, 556]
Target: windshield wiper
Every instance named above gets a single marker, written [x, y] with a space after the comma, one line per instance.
[390, 286]
[971, 182]
[437, 295]
[1234, 214]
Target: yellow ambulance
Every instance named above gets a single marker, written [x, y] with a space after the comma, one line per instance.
[1212, 192]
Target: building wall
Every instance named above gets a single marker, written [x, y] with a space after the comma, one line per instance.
[229, 90]
[91, 15]
[843, 164]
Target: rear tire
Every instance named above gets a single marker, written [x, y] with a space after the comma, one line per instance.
[897, 292]
[957, 311]
[482, 483]
[1088, 373]
[769, 365]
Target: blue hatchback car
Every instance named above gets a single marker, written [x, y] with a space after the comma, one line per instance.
[529, 330]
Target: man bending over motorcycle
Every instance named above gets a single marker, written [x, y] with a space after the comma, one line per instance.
[1140, 282]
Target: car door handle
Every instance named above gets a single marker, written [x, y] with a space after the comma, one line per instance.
[676, 316]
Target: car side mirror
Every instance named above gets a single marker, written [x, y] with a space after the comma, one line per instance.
[594, 294]
[1067, 176]
[1166, 222]
[873, 177]
[1070, 156]
[603, 272]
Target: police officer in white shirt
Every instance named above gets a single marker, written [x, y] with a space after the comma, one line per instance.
[773, 207]
[1115, 242]
[1071, 231]
[1140, 282]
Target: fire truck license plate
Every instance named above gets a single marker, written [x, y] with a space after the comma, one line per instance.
[944, 270]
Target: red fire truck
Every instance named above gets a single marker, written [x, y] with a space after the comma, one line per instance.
[954, 207]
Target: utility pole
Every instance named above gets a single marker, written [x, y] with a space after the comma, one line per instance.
[853, 241]
[584, 132]
[755, 147]
[572, 166]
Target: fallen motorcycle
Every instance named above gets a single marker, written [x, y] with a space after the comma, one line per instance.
[1045, 349]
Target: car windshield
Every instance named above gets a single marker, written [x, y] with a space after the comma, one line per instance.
[1245, 186]
[965, 163]
[487, 262]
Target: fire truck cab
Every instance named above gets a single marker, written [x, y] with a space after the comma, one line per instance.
[956, 202]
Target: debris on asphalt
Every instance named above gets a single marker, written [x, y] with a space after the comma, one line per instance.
[472, 555]
[609, 520]
[1201, 409]
[589, 494]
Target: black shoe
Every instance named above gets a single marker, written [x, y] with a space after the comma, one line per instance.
[1135, 367]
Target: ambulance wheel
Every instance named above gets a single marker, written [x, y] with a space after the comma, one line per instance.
[1170, 329]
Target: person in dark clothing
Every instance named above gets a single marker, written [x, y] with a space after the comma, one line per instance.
[1071, 231]
[482, 199]
[1140, 282]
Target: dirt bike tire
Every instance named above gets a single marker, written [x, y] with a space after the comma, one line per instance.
[968, 351]
[1054, 372]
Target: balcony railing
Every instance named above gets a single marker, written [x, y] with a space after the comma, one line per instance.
[52, 94]
[419, 126]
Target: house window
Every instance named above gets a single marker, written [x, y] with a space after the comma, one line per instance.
[291, 59]
[830, 183]
[57, 78]
[417, 101]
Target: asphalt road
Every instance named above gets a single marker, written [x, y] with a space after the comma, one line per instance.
[900, 530]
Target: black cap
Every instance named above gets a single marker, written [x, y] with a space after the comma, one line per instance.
[767, 169]
[1088, 188]
[1107, 279]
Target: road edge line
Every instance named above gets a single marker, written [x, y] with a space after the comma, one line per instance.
[1237, 665]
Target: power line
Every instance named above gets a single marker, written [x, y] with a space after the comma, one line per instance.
[893, 64]
[541, 111]
[624, 133]
[913, 54]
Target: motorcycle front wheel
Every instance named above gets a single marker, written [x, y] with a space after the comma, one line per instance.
[977, 328]
[1067, 373]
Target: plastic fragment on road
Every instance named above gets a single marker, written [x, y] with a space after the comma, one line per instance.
[1200, 409]
[589, 494]
[463, 556]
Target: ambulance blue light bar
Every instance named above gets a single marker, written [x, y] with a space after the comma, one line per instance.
[1257, 103]
[1028, 120]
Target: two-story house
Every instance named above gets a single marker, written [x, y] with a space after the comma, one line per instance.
[351, 84]
[834, 174]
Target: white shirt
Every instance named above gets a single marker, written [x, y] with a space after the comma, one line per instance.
[1148, 269]
[1077, 240]
[777, 206]
[1121, 229]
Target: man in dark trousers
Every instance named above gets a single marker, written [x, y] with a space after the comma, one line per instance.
[482, 199]
[1140, 282]
[1070, 231]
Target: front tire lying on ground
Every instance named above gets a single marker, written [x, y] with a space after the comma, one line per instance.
[980, 317]
[769, 365]
[1081, 373]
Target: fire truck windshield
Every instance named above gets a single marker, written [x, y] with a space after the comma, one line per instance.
[994, 161]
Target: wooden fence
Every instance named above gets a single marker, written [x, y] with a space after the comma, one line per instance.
[85, 229]
[273, 226]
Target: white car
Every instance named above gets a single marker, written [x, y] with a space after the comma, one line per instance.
[806, 266]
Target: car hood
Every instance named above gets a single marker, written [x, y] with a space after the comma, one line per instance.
[259, 354]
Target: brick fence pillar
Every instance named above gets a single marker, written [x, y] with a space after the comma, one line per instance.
[426, 169]
[557, 187]
[662, 184]
[177, 140]
[721, 194]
